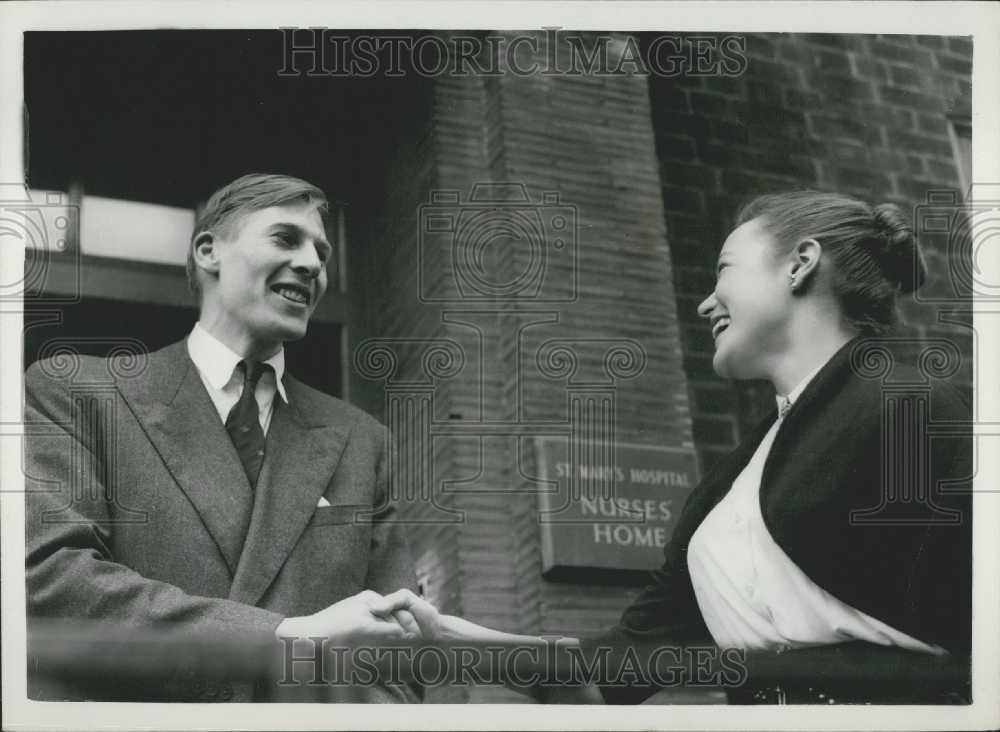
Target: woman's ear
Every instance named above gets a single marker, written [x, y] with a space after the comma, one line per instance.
[805, 261]
[206, 252]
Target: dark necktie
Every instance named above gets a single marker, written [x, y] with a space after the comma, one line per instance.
[243, 422]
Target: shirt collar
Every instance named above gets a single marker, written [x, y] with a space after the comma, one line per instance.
[216, 361]
[785, 402]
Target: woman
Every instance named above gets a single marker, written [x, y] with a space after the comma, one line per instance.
[782, 551]
[782, 546]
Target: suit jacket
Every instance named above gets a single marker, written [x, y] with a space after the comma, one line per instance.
[139, 513]
[829, 463]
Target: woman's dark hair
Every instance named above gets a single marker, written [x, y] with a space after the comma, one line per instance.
[872, 248]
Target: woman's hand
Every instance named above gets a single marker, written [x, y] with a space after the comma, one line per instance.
[437, 627]
[420, 618]
[365, 618]
[414, 613]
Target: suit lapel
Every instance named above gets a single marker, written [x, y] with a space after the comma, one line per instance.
[302, 454]
[779, 497]
[181, 422]
[718, 482]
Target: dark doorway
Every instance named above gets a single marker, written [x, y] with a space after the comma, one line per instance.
[168, 116]
[95, 327]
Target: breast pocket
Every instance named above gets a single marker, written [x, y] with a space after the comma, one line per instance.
[342, 515]
[330, 561]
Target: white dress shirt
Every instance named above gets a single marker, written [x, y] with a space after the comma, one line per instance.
[216, 365]
[751, 594]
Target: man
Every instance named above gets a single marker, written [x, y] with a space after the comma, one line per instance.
[204, 493]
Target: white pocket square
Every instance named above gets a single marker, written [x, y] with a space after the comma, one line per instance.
[322, 502]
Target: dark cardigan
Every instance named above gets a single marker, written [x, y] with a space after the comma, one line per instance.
[827, 463]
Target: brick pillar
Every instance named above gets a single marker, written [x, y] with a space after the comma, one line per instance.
[589, 138]
[583, 149]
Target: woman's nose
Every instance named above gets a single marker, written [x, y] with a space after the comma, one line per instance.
[707, 306]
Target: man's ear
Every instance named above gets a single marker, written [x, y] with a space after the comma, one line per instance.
[206, 252]
[805, 262]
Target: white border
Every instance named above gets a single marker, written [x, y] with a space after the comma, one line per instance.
[982, 20]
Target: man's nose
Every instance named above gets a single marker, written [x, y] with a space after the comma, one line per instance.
[707, 306]
[307, 262]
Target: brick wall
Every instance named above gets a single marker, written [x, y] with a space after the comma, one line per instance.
[655, 168]
[864, 115]
[591, 139]
[385, 257]
[541, 131]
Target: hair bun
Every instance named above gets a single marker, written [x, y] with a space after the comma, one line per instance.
[898, 253]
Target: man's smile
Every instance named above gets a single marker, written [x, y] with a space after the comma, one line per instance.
[293, 292]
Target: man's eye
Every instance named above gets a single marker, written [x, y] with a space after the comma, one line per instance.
[284, 239]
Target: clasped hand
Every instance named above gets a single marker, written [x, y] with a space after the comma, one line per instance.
[368, 618]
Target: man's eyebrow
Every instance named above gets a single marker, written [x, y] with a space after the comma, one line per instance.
[299, 232]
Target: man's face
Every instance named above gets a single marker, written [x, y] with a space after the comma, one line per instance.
[750, 305]
[271, 274]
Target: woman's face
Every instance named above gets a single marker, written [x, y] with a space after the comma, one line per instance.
[749, 307]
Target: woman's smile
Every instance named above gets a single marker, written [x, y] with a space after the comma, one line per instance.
[718, 325]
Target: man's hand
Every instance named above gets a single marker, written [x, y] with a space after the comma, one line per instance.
[430, 624]
[363, 619]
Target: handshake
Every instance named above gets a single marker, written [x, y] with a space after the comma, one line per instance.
[371, 619]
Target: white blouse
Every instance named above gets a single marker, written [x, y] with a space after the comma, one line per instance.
[751, 594]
